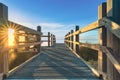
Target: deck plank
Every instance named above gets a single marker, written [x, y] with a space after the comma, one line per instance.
[56, 62]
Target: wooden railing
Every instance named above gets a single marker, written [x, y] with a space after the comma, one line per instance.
[27, 34]
[98, 47]
[23, 37]
[51, 39]
[108, 47]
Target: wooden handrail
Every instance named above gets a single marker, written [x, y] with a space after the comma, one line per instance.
[23, 28]
[92, 46]
[19, 46]
[103, 49]
[111, 58]
[111, 25]
[44, 36]
[73, 42]
[90, 27]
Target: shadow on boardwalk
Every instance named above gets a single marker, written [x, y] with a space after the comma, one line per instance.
[56, 62]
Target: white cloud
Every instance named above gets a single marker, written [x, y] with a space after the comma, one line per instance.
[59, 29]
[51, 25]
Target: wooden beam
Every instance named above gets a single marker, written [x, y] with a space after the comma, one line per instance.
[74, 42]
[104, 50]
[77, 40]
[72, 39]
[26, 45]
[90, 27]
[49, 39]
[21, 27]
[111, 58]
[111, 25]
[44, 36]
[44, 40]
[102, 39]
[92, 46]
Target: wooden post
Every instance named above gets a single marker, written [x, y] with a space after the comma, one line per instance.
[113, 9]
[4, 67]
[3, 11]
[51, 39]
[71, 40]
[102, 34]
[39, 38]
[55, 40]
[48, 39]
[27, 41]
[66, 39]
[77, 40]
[1, 61]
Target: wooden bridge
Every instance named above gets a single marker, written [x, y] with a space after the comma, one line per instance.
[61, 61]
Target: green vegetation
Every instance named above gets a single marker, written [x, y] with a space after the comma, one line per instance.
[16, 58]
[89, 55]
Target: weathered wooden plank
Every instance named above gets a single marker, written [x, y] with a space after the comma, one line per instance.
[26, 45]
[106, 51]
[90, 27]
[55, 63]
[44, 40]
[93, 70]
[92, 46]
[74, 42]
[21, 27]
[44, 36]
[111, 58]
[111, 25]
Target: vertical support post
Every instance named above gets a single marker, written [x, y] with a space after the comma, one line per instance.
[48, 39]
[77, 40]
[39, 38]
[16, 40]
[51, 39]
[113, 9]
[69, 39]
[3, 12]
[1, 61]
[26, 40]
[65, 39]
[55, 40]
[6, 63]
[4, 59]
[102, 34]
[72, 39]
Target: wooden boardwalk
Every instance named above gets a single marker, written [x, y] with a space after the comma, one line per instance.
[56, 62]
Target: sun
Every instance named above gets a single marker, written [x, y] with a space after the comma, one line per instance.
[11, 37]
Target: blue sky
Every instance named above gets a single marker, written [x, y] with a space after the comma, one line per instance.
[56, 16]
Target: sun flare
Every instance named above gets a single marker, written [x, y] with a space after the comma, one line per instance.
[11, 37]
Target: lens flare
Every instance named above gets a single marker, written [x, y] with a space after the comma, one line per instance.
[11, 37]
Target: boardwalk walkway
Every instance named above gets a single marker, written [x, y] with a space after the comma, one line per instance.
[56, 62]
